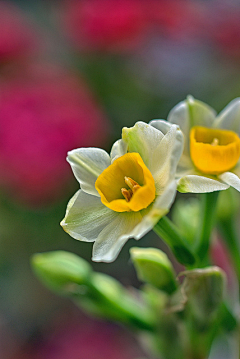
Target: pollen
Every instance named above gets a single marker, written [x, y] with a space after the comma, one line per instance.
[126, 185]
[214, 151]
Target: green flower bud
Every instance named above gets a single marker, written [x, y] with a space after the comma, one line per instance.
[154, 267]
[59, 269]
[203, 292]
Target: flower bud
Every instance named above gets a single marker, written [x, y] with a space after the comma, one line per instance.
[59, 269]
[203, 292]
[154, 267]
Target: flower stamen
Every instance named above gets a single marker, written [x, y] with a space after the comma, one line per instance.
[133, 185]
[127, 194]
[215, 142]
[119, 191]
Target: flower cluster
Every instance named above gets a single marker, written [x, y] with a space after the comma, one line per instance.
[210, 159]
[125, 194]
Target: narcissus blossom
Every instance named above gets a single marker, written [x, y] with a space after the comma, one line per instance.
[125, 194]
[210, 160]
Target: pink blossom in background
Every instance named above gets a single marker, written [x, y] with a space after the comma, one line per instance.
[225, 31]
[221, 258]
[85, 338]
[122, 25]
[177, 19]
[16, 34]
[44, 112]
[106, 25]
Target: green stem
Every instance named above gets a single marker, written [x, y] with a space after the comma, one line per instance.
[177, 243]
[122, 308]
[229, 232]
[208, 209]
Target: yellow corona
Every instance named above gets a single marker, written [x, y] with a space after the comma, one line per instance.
[214, 151]
[126, 185]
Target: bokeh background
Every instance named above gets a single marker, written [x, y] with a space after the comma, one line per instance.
[72, 74]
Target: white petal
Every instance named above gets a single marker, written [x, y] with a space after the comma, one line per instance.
[165, 158]
[166, 199]
[112, 238]
[191, 113]
[159, 209]
[119, 149]
[185, 167]
[143, 139]
[87, 164]
[200, 184]
[229, 118]
[161, 125]
[231, 179]
[86, 217]
[180, 116]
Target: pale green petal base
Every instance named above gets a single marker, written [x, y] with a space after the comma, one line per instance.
[200, 184]
[143, 139]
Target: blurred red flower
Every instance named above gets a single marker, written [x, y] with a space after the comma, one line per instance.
[44, 112]
[16, 34]
[88, 339]
[220, 257]
[176, 18]
[106, 25]
[122, 25]
[225, 31]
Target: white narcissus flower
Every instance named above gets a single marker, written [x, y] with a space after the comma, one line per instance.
[210, 160]
[125, 194]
